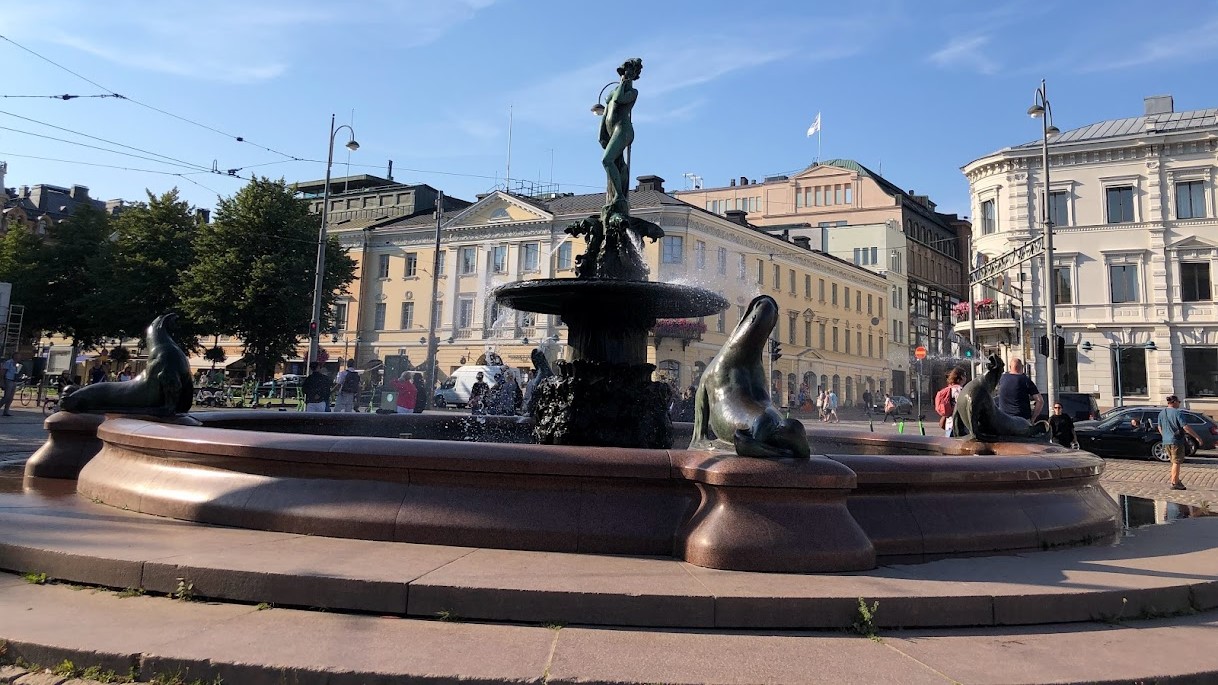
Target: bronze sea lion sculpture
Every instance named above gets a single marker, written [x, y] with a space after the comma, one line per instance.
[732, 407]
[978, 416]
[163, 389]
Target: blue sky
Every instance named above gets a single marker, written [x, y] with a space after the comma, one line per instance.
[912, 89]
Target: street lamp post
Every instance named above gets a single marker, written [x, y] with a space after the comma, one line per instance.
[1041, 109]
[1116, 351]
[319, 277]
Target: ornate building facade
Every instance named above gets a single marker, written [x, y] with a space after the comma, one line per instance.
[1136, 245]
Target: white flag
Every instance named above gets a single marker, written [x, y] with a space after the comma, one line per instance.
[815, 126]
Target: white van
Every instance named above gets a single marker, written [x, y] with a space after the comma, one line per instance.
[455, 389]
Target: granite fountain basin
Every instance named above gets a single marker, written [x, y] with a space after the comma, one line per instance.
[393, 478]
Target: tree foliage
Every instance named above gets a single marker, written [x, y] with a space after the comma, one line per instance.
[23, 265]
[74, 261]
[254, 269]
[153, 250]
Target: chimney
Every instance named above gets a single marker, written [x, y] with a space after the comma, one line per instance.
[202, 216]
[25, 191]
[737, 216]
[803, 241]
[744, 181]
[732, 183]
[1159, 104]
[79, 193]
[650, 182]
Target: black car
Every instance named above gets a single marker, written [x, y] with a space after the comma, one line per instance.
[1080, 406]
[1134, 432]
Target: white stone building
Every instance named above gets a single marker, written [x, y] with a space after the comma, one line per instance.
[1134, 206]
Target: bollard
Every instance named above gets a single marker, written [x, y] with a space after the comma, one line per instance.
[870, 423]
[921, 427]
[901, 426]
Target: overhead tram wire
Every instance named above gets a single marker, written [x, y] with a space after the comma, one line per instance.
[103, 140]
[64, 96]
[111, 93]
[183, 165]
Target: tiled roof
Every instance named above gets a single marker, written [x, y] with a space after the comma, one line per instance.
[1115, 128]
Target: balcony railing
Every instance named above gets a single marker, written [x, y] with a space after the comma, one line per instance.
[989, 313]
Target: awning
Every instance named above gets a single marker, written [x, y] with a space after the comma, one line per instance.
[84, 358]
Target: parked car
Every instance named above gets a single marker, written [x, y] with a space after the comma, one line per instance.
[455, 389]
[1080, 406]
[1134, 432]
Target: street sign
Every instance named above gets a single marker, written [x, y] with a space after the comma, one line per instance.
[920, 352]
[1029, 250]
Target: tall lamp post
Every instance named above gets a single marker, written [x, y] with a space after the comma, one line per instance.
[319, 278]
[1116, 351]
[1041, 109]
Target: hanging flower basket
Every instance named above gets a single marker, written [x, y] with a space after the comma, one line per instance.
[686, 329]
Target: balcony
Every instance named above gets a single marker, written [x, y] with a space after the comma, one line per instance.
[989, 315]
[683, 331]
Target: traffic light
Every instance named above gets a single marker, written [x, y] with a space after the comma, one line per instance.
[968, 353]
[1044, 346]
[775, 350]
[1061, 349]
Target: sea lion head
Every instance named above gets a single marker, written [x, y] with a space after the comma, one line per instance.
[754, 328]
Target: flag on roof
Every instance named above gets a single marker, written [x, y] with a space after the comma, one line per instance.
[815, 127]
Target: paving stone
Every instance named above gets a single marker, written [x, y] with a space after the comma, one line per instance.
[40, 679]
[9, 673]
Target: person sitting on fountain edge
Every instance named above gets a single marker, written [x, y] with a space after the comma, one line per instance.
[1017, 394]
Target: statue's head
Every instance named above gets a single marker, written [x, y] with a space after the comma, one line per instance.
[631, 68]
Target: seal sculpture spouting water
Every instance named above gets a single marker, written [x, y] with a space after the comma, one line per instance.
[732, 407]
[978, 416]
[163, 389]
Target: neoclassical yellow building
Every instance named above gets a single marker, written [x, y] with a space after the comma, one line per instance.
[832, 332]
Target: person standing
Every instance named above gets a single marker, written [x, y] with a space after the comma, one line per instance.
[407, 393]
[1017, 394]
[478, 394]
[419, 394]
[831, 408]
[1171, 425]
[1061, 427]
[867, 402]
[316, 388]
[97, 374]
[348, 383]
[12, 372]
[947, 409]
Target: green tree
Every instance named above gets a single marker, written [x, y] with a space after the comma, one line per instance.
[254, 269]
[22, 263]
[153, 250]
[75, 262]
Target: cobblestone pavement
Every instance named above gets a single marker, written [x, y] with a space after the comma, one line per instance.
[1149, 479]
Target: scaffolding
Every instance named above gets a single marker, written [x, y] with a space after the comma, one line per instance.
[12, 330]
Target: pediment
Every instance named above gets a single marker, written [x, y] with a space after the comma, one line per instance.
[822, 172]
[1192, 242]
[500, 208]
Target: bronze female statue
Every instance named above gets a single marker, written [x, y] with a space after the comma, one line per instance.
[616, 135]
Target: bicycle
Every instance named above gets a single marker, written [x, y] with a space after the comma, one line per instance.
[27, 394]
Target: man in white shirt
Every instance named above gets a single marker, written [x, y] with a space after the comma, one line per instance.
[12, 371]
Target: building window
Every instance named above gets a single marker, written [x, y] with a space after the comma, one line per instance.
[564, 255]
[817, 197]
[760, 272]
[988, 225]
[528, 257]
[378, 316]
[835, 338]
[1200, 371]
[412, 265]
[1132, 371]
[1195, 282]
[870, 304]
[465, 313]
[837, 195]
[1059, 208]
[721, 322]
[846, 297]
[849, 195]
[847, 336]
[799, 199]
[1068, 380]
[1120, 205]
[721, 256]
[807, 333]
[382, 266]
[870, 345]
[672, 249]
[1190, 200]
[1123, 279]
[669, 370]
[777, 277]
[834, 291]
[468, 260]
[443, 258]
[791, 280]
[821, 289]
[407, 316]
[1062, 285]
[499, 259]
[699, 255]
[820, 336]
[340, 316]
[791, 328]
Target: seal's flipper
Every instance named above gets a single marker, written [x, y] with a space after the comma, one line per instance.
[748, 446]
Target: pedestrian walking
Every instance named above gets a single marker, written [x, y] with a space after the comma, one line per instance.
[1171, 425]
[348, 384]
[831, 408]
[316, 388]
[945, 399]
[890, 408]
[12, 373]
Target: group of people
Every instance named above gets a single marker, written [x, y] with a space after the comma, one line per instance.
[506, 398]
[347, 385]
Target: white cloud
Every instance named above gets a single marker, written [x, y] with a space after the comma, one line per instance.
[1195, 45]
[965, 52]
[236, 41]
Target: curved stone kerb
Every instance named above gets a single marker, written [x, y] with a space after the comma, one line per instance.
[726, 469]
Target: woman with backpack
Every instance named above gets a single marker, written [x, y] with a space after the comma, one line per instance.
[945, 399]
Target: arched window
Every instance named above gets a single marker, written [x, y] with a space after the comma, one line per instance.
[776, 395]
[669, 371]
[824, 383]
[837, 384]
[791, 388]
[699, 367]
